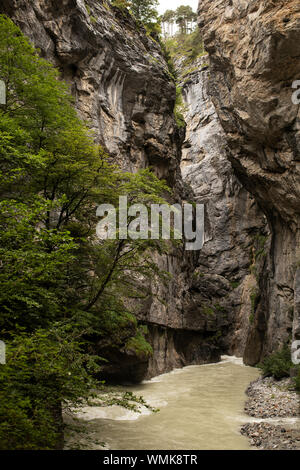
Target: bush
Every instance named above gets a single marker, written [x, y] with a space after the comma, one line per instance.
[278, 364]
[187, 47]
[45, 371]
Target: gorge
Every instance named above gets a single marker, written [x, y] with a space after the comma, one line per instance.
[238, 154]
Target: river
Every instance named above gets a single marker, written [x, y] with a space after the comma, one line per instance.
[201, 408]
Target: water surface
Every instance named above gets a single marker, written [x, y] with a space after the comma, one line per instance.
[201, 408]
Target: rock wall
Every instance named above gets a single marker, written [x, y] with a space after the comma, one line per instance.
[116, 73]
[222, 282]
[254, 51]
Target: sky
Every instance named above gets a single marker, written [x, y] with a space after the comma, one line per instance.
[173, 4]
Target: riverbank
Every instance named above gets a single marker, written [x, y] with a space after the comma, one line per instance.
[277, 407]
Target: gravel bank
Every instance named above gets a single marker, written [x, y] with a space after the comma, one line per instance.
[271, 400]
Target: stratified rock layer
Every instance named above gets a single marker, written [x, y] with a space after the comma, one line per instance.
[254, 49]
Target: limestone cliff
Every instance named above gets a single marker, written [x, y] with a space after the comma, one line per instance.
[116, 73]
[254, 51]
[222, 282]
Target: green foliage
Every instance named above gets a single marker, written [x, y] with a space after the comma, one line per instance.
[169, 60]
[235, 284]
[145, 13]
[183, 16]
[215, 339]
[297, 380]
[121, 4]
[278, 364]
[261, 242]
[208, 311]
[139, 345]
[179, 108]
[34, 265]
[168, 16]
[220, 308]
[61, 288]
[186, 47]
[127, 400]
[254, 298]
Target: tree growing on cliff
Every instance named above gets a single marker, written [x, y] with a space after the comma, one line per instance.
[145, 12]
[122, 4]
[183, 16]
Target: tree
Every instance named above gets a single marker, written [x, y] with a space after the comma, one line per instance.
[185, 16]
[168, 18]
[145, 11]
[60, 286]
[121, 4]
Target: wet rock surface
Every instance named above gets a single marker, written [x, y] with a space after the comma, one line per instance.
[240, 157]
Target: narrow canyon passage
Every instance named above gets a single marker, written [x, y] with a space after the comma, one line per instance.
[201, 407]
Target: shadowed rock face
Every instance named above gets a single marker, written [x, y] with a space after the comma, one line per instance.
[222, 282]
[254, 49]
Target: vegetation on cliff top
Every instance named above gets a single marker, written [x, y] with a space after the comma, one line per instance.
[185, 45]
[185, 49]
[184, 17]
[144, 11]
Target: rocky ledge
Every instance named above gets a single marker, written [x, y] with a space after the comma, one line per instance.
[277, 406]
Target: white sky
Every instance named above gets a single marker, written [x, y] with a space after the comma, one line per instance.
[173, 4]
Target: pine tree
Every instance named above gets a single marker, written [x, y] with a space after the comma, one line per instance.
[145, 11]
